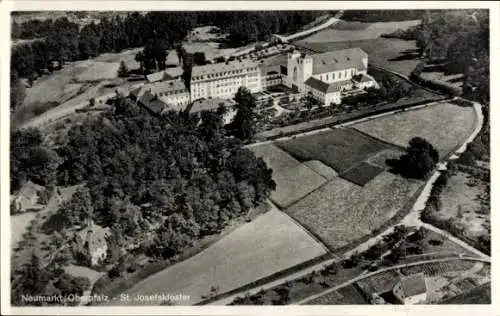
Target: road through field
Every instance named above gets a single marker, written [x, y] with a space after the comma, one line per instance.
[411, 219]
[367, 275]
[268, 244]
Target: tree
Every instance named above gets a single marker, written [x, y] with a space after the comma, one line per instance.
[17, 91]
[243, 125]
[122, 70]
[199, 58]
[420, 158]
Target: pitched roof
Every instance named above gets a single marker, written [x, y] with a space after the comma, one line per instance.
[317, 84]
[173, 72]
[326, 87]
[164, 87]
[413, 285]
[339, 60]
[93, 236]
[363, 78]
[210, 69]
[152, 102]
[30, 189]
[208, 104]
[156, 76]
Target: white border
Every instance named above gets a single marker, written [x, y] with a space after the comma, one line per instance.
[7, 6]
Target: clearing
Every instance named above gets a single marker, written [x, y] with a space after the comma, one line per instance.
[446, 126]
[270, 243]
[294, 180]
[357, 31]
[341, 148]
[76, 83]
[341, 212]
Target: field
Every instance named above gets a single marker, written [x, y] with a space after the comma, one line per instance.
[341, 212]
[321, 169]
[348, 295]
[446, 126]
[257, 249]
[357, 31]
[293, 179]
[439, 268]
[362, 173]
[465, 205]
[379, 283]
[391, 53]
[341, 149]
[75, 83]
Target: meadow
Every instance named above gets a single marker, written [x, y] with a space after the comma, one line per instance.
[341, 212]
[357, 31]
[268, 244]
[446, 126]
[293, 179]
[341, 148]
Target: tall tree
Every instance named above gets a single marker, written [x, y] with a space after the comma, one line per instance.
[244, 123]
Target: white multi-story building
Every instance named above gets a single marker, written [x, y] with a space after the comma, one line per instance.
[223, 80]
[327, 77]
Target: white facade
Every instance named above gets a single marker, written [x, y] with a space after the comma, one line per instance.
[299, 70]
[224, 80]
[334, 73]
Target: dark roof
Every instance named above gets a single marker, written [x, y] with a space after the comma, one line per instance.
[317, 84]
[325, 87]
[365, 78]
[152, 102]
[208, 104]
[413, 285]
[134, 93]
[339, 60]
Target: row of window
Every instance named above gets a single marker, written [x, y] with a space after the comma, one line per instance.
[171, 93]
[346, 73]
[225, 73]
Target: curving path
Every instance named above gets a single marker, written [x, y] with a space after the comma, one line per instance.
[412, 219]
[367, 275]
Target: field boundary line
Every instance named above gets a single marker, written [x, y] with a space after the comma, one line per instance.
[309, 233]
[400, 266]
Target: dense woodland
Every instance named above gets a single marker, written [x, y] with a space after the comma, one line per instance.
[65, 41]
[180, 168]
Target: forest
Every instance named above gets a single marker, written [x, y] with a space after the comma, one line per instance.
[182, 168]
[63, 40]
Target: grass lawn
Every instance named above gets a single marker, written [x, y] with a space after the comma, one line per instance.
[392, 53]
[293, 179]
[362, 173]
[322, 169]
[341, 212]
[465, 204]
[340, 149]
[257, 249]
[446, 126]
[357, 31]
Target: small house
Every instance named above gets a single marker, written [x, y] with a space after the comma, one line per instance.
[92, 243]
[411, 290]
[27, 198]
